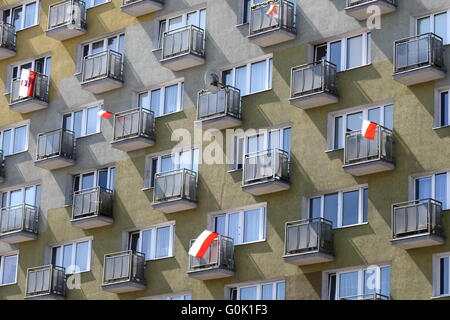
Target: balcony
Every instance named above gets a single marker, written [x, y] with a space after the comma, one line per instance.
[367, 296]
[19, 223]
[419, 59]
[46, 283]
[7, 40]
[92, 208]
[314, 85]
[363, 156]
[56, 149]
[221, 110]
[217, 263]
[266, 172]
[102, 72]
[138, 8]
[37, 100]
[124, 272]
[175, 191]
[183, 48]
[270, 29]
[66, 19]
[2, 167]
[417, 224]
[358, 9]
[134, 130]
[308, 242]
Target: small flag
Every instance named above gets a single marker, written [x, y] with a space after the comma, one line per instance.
[273, 10]
[369, 129]
[26, 83]
[202, 243]
[104, 114]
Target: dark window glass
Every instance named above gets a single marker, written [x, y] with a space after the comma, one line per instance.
[133, 242]
[331, 208]
[332, 286]
[350, 209]
[444, 109]
[320, 52]
[314, 208]
[365, 205]
[444, 276]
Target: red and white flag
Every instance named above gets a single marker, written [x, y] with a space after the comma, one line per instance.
[202, 243]
[273, 10]
[369, 129]
[104, 114]
[26, 83]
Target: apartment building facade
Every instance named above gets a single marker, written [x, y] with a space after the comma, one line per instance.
[95, 208]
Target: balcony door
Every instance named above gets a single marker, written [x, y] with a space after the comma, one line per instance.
[101, 178]
[29, 195]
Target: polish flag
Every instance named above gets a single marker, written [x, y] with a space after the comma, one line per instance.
[273, 10]
[202, 243]
[104, 114]
[26, 83]
[369, 129]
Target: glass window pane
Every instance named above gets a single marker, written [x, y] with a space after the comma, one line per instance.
[354, 52]
[370, 281]
[365, 205]
[386, 281]
[175, 23]
[98, 47]
[146, 244]
[338, 133]
[170, 99]
[314, 207]
[6, 144]
[267, 292]
[252, 225]
[20, 139]
[444, 109]
[281, 290]
[185, 160]
[56, 256]
[133, 242]
[30, 195]
[331, 208]
[227, 77]
[348, 284]
[220, 225]
[17, 18]
[155, 102]
[423, 25]
[15, 198]
[258, 77]
[9, 269]
[233, 227]
[67, 122]
[440, 26]
[374, 115]
[202, 22]
[67, 257]
[441, 189]
[30, 14]
[335, 54]
[112, 178]
[167, 164]
[78, 124]
[103, 178]
[248, 293]
[287, 140]
[369, 48]
[144, 100]
[389, 117]
[354, 121]
[241, 79]
[92, 120]
[320, 52]
[423, 188]
[351, 208]
[192, 19]
[87, 181]
[82, 255]
[444, 274]
[162, 242]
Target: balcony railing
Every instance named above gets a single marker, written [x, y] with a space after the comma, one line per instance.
[7, 36]
[2, 166]
[60, 142]
[175, 185]
[419, 51]
[353, 3]
[359, 149]
[39, 91]
[260, 21]
[185, 40]
[71, 12]
[417, 217]
[105, 64]
[220, 255]
[225, 102]
[313, 78]
[125, 266]
[46, 280]
[266, 165]
[138, 122]
[97, 201]
[19, 218]
[367, 296]
[309, 236]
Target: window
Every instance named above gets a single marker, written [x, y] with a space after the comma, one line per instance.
[441, 279]
[8, 269]
[180, 297]
[341, 208]
[23, 16]
[155, 242]
[247, 6]
[101, 178]
[433, 186]
[360, 283]
[83, 122]
[164, 100]
[28, 195]
[93, 3]
[114, 43]
[347, 53]
[263, 291]
[438, 23]
[40, 65]
[187, 159]
[74, 257]
[352, 121]
[250, 78]
[14, 140]
[443, 115]
[244, 226]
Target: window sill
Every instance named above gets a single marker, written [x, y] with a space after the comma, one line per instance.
[441, 127]
[440, 297]
[332, 150]
[14, 154]
[251, 242]
[97, 5]
[75, 273]
[352, 226]
[242, 24]
[234, 170]
[88, 135]
[355, 68]
[168, 114]
[156, 49]
[148, 189]
[34, 25]
[256, 92]
[157, 259]
[8, 284]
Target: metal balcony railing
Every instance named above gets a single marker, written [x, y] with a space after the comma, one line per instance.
[418, 51]
[46, 280]
[7, 36]
[175, 185]
[417, 217]
[185, 40]
[133, 123]
[359, 149]
[125, 266]
[220, 255]
[97, 201]
[19, 218]
[308, 236]
[284, 18]
[270, 164]
[105, 64]
[2, 166]
[71, 12]
[225, 102]
[367, 296]
[39, 90]
[127, 2]
[316, 77]
[60, 142]
[353, 3]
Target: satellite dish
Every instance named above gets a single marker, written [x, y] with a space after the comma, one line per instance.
[212, 80]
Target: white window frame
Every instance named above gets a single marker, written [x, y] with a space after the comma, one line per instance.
[12, 138]
[84, 120]
[74, 253]
[95, 172]
[37, 195]
[432, 23]
[437, 274]
[438, 104]
[92, 5]
[19, 65]
[433, 186]
[162, 97]
[186, 295]
[2, 265]
[23, 5]
[258, 286]
[153, 229]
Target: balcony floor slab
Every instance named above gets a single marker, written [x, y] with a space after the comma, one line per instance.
[210, 274]
[307, 258]
[28, 105]
[47, 297]
[174, 205]
[369, 167]
[18, 237]
[182, 62]
[65, 32]
[266, 187]
[419, 75]
[92, 222]
[142, 7]
[220, 122]
[122, 287]
[418, 241]
[133, 144]
[53, 163]
[272, 37]
[101, 85]
[360, 13]
[314, 100]
[6, 53]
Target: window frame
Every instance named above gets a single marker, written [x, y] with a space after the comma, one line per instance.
[10, 77]
[84, 111]
[436, 283]
[433, 185]
[438, 107]
[259, 291]
[2, 266]
[12, 139]
[73, 254]
[432, 23]
[153, 242]
[162, 98]
[37, 195]
[23, 7]
[96, 176]
[95, 5]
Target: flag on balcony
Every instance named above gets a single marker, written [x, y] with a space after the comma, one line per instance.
[26, 83]
[202, 243]
[369, 129]
[273, 11]
[104, 114]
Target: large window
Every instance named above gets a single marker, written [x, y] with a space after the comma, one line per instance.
[441, 272]
[438, 23]
[100, 178]
[74, 257]
[251, 77]
[14, 140]
[443, 114]
[162, 101]
[84, 122]
[155, 242]
[8, 269]
[244, 225]
[27, 195]
[93, 3]
[359, 283]
[246, 9]
[23, 16]
[261, 291]
[114, 43]
[40, 65]
[341, 208]
[435, 187]
[347, 53]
